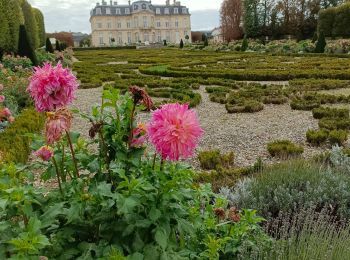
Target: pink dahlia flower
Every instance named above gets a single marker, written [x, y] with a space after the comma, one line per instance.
[57, 124]
[2, 98]
[174, 130]
[45, 153]
[5, 112]
[52, 87]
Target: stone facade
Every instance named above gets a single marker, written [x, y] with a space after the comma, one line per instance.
[139, 22]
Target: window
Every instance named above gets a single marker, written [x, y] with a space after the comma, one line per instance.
[159, 37]
[129, 37]
[167, 24]
[119, 24]
[110, 38]
[127, 11]
[136, 7]
[145, 22]
[144, 6]
[136, 22]
[98, 11]
[99, 25]
[117, 11]
[158, 24]
[157, 10]
[177, 24]
[168, 36]
[176, 10]
[109, 25]
[185, 22]
[184, 10]
[101, 39]
[137, 37]
[146, 37]
[108, 10]
[120, 38]
[166, 11]
[128, 24]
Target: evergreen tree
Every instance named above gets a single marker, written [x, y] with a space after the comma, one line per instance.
[165, 43]
[24, 47]
[4, 30]
[30, 24]
[314, 38]
[245, 44]
[58, 45]
[49, 47]
[181, 44]
[321, 43]
[251, 18]
[206, 43]
[15, 19]
[39, 18]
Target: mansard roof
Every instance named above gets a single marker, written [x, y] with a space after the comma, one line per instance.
[135, 7]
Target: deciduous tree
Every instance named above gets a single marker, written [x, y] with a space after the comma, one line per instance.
[231, 15]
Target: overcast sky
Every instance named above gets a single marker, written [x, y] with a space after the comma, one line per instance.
[73, 15]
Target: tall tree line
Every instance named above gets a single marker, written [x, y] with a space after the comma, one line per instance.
[13, 14]
[276, 18]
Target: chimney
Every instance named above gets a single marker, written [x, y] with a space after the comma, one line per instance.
[115, 3]
[97, 4]
[167, 2]
[129, 2]
[174, 2]
[111, 3]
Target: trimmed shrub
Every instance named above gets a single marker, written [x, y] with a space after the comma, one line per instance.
[245, 44]
[334, 123]
[323, 112]
[338, 137]
[49, 47]
[321, 43]
[246, 106]
[317, 137]
[24, 47]
[284, 149]
[15, 143]
[306, 105]
[181, 44]
[213, 159]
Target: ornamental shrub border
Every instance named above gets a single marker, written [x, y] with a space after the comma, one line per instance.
[15, 140]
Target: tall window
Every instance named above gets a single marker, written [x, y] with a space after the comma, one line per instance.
[128, 24]
[144, 6]
[108, 10]
[166, 11]
[118, 11]
[146, 37]
[177, 24]
[159, 37]
[167, 24]
[120, 37]
[119, 24]
[136, 7]
[176, 10]
[99, 25]
[137, 37]
[158, 24]
[101, 38]
[98, 11]
[127, 11]
[185, 22]
[145, 22]
[168, 36]
[136, 22]
[157, 10]
[184, 10]
[129, 37]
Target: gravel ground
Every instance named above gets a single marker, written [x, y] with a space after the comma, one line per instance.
[245, 134]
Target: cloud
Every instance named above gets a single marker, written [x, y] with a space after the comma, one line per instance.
[73, 15]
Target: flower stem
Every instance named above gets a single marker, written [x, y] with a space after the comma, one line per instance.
[162, 164]
[132, 124]
[73, 154]
[63, 176]
[154, 161]
[57, 174]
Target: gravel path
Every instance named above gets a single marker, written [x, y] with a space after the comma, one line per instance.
[245, 134]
